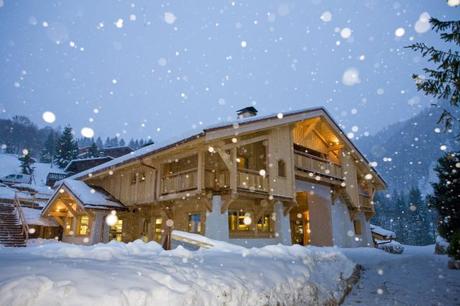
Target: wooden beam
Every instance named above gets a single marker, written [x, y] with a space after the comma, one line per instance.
[312, 126]
[227, 202]
[245, 142]
[58, 220]
[70, 208]
[226, 158]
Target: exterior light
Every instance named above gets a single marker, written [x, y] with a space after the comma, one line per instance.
[112, 218]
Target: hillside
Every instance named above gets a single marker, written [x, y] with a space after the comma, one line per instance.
[9, 164]
[406, 152]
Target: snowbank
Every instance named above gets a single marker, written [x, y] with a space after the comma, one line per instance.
[141, 273]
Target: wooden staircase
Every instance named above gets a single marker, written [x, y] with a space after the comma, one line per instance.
[11, 230]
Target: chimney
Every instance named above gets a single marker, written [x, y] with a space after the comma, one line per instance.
[246, 112]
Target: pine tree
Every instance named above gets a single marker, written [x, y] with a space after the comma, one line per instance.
[93, 151]
[47, 153]
[122, 142]
[443, 82]
[99, 143]
[418, 220]
[26, 163]
[66, 148]
[446, 196]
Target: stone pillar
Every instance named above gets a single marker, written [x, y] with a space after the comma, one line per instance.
[283, 226]
[98, 228]
[217, 223]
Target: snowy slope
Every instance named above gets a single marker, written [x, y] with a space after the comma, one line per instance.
[141, 273]
[9, 164]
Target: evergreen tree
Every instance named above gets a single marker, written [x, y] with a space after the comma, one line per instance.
[446, 197]
[99, 143]
[26, 163]
[418, 219]
[122, 143]
[47, 153]
[443, 82]
[66, 148]
[93, 151]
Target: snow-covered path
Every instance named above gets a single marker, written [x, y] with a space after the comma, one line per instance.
[417, 277]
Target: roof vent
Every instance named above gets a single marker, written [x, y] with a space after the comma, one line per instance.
[246, 112]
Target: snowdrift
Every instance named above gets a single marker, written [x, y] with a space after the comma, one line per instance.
[141, 273]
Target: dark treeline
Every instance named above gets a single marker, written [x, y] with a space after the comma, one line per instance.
[19, 133]
[408, 214]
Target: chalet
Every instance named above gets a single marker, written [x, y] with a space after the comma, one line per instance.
[285, 178]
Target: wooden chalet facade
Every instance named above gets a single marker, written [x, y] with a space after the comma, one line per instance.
[286, 178]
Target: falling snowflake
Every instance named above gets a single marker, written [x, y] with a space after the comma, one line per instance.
[169, 18]
[326, 16]
[119, 23]
[87, 132]
[49, 117]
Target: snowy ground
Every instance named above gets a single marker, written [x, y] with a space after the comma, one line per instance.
[416, 277]
[143, 274]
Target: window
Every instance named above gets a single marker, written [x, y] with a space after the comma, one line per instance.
[141, 177]
[69, 226]
[194, 223]
[357, 225]
[281, 168]
[263, 225]
[133, 178]
[83, 226]
[158, 229]
[239, 220]
[116, 231]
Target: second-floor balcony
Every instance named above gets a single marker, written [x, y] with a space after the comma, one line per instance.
[310, 163]
[252, 180]
[179, 182]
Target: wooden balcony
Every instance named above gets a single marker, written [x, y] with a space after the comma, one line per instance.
[310, 163]
[252, 180]
[179, 182]
[365, 202]
[216, 180]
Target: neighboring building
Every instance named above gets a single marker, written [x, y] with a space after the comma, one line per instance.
[79, 165]
[285, 178]
[113, 152]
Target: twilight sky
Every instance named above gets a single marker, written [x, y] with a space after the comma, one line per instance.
[156, 68]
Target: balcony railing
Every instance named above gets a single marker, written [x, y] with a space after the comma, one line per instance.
[216, 180]
[365, 202]
[252, 180]
[179, 181]
[311, 163]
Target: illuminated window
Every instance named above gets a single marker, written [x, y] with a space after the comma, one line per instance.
[281, 168]
[116, 231]
[263, 225]
[83, 226]
[194, 223]
[158, 228]
[239, 220]
[357, 225]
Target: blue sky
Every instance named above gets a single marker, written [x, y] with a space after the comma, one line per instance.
[154, 68]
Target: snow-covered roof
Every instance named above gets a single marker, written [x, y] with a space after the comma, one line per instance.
[88, 196]
[33, 217]
[382, 232]
[191, 135]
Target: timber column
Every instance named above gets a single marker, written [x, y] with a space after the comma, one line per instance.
[217, 222]
[283, 226]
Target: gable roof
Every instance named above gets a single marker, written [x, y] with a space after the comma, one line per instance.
[242, 125]
[82, 164]
[88, 196]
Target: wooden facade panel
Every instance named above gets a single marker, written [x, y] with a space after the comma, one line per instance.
[280, 156]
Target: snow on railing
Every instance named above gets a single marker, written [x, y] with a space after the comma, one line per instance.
[22, 219]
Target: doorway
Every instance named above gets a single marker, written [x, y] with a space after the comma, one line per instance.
[300, 220]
